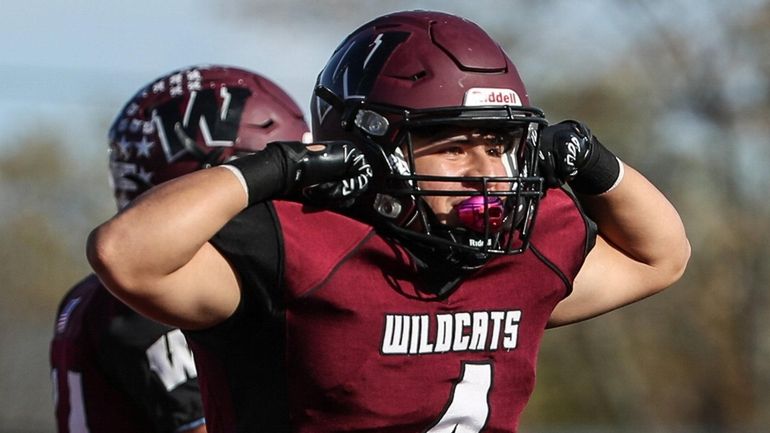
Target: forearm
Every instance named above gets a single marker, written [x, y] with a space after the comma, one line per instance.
[163, 230]
[642, 246]
[155, 255]
[639, 221]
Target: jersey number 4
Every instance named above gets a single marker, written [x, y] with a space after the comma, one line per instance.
[468, 406]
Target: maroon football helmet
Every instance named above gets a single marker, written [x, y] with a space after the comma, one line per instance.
[408, 72]
[195, 118]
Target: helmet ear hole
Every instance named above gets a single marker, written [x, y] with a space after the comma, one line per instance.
[372, 122]
[387, 206]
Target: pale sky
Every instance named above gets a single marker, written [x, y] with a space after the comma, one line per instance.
[75, 62]
[71, 64]
[68, 66]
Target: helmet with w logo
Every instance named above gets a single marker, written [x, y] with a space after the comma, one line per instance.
[416, 72]
[194, 118]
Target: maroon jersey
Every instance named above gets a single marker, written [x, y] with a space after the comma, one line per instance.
[116, 371]
[347, 336]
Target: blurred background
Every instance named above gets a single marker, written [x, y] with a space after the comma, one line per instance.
[680, 89]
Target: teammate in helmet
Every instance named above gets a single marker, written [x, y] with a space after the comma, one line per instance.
[117, 371]
[398, 273]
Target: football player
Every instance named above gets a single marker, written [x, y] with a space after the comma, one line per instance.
[114, 370]
[398, 273]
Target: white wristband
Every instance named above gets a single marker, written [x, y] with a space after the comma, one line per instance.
[242, 179]
[621, 172]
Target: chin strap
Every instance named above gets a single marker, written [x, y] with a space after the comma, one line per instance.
[440, 250]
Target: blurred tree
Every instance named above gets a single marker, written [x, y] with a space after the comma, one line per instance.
[50, 201]
[688, 106]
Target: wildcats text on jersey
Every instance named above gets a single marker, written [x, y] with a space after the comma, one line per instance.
[457, 332]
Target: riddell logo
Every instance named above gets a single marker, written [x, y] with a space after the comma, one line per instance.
[478, 96]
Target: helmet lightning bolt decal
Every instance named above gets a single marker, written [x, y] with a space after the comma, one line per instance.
[345, 91]
[225, 102]
[377, 42]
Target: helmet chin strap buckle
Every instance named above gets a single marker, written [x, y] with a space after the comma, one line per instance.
[474, 212]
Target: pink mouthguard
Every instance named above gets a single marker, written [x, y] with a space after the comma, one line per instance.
[471, 212]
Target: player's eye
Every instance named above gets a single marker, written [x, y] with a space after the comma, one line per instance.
[452, 150]
[496, 151]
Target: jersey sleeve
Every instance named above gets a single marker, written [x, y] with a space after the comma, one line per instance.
[563, 235]
[251, 242]
[246, 352]
[153, 364]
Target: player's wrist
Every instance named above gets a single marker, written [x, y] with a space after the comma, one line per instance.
[262, 174]
[325, 174]
[601, 172]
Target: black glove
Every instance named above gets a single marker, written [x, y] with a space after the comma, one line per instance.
[326, 174]
[570, 153]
